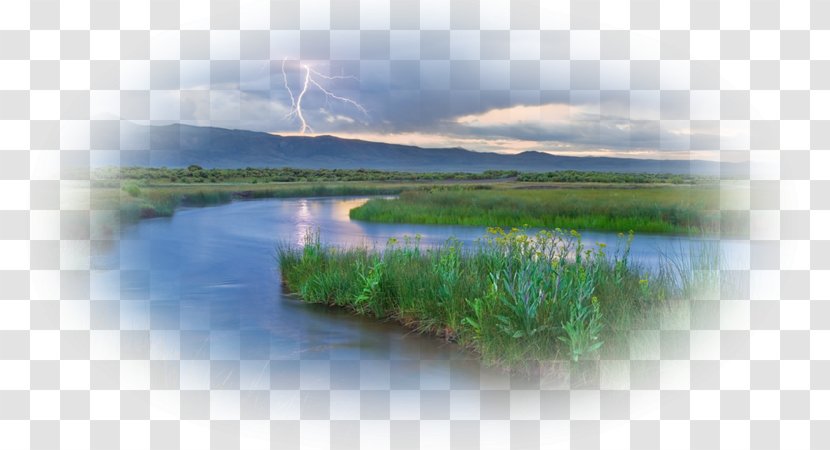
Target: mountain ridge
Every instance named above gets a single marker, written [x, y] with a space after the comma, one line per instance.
[180, 145]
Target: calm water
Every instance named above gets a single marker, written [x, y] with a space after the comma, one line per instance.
[211, 273]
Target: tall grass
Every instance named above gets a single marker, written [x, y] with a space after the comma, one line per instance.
[677, 210]
[514, 297]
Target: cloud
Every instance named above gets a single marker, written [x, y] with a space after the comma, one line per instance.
[573, 127]
[518, 115]
[428, 103]
[334, 118]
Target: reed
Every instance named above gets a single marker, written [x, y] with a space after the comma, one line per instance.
[514, 297]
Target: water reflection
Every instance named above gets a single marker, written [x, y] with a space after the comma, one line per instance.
[303, 221]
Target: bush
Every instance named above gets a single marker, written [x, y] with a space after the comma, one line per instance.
[132, 189]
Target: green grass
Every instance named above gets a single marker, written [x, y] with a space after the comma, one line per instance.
[568, 199]
[657, 209]
[642, 208]
[514, 298]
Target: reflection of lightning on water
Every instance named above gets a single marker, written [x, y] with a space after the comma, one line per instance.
[309, 79]
[303, 221]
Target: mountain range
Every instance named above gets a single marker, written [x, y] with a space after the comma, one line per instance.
[179, 145]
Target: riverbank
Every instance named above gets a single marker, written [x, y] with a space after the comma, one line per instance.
[514, 298]
[651, 205]
[690, 210]
[134, 201]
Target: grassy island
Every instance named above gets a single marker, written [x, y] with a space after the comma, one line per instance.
[659, 209]
[515, 297]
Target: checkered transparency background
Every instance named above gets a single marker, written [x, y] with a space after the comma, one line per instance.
[81, 368]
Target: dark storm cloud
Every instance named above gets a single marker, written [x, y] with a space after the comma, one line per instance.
[429, 96]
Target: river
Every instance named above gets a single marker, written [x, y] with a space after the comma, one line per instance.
[210, 277]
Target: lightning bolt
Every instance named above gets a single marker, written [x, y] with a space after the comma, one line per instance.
[357, 105]
[309, 81]
[304, 126]
[290, 94]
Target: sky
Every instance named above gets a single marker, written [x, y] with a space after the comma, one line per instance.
[487, 89]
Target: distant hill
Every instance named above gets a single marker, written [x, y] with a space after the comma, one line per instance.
[181, 145]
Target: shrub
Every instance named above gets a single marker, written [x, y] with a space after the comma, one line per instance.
[131, 188]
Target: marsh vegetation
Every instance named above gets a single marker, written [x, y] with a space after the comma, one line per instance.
[650, 203]
[515, 297]
[692, 210]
